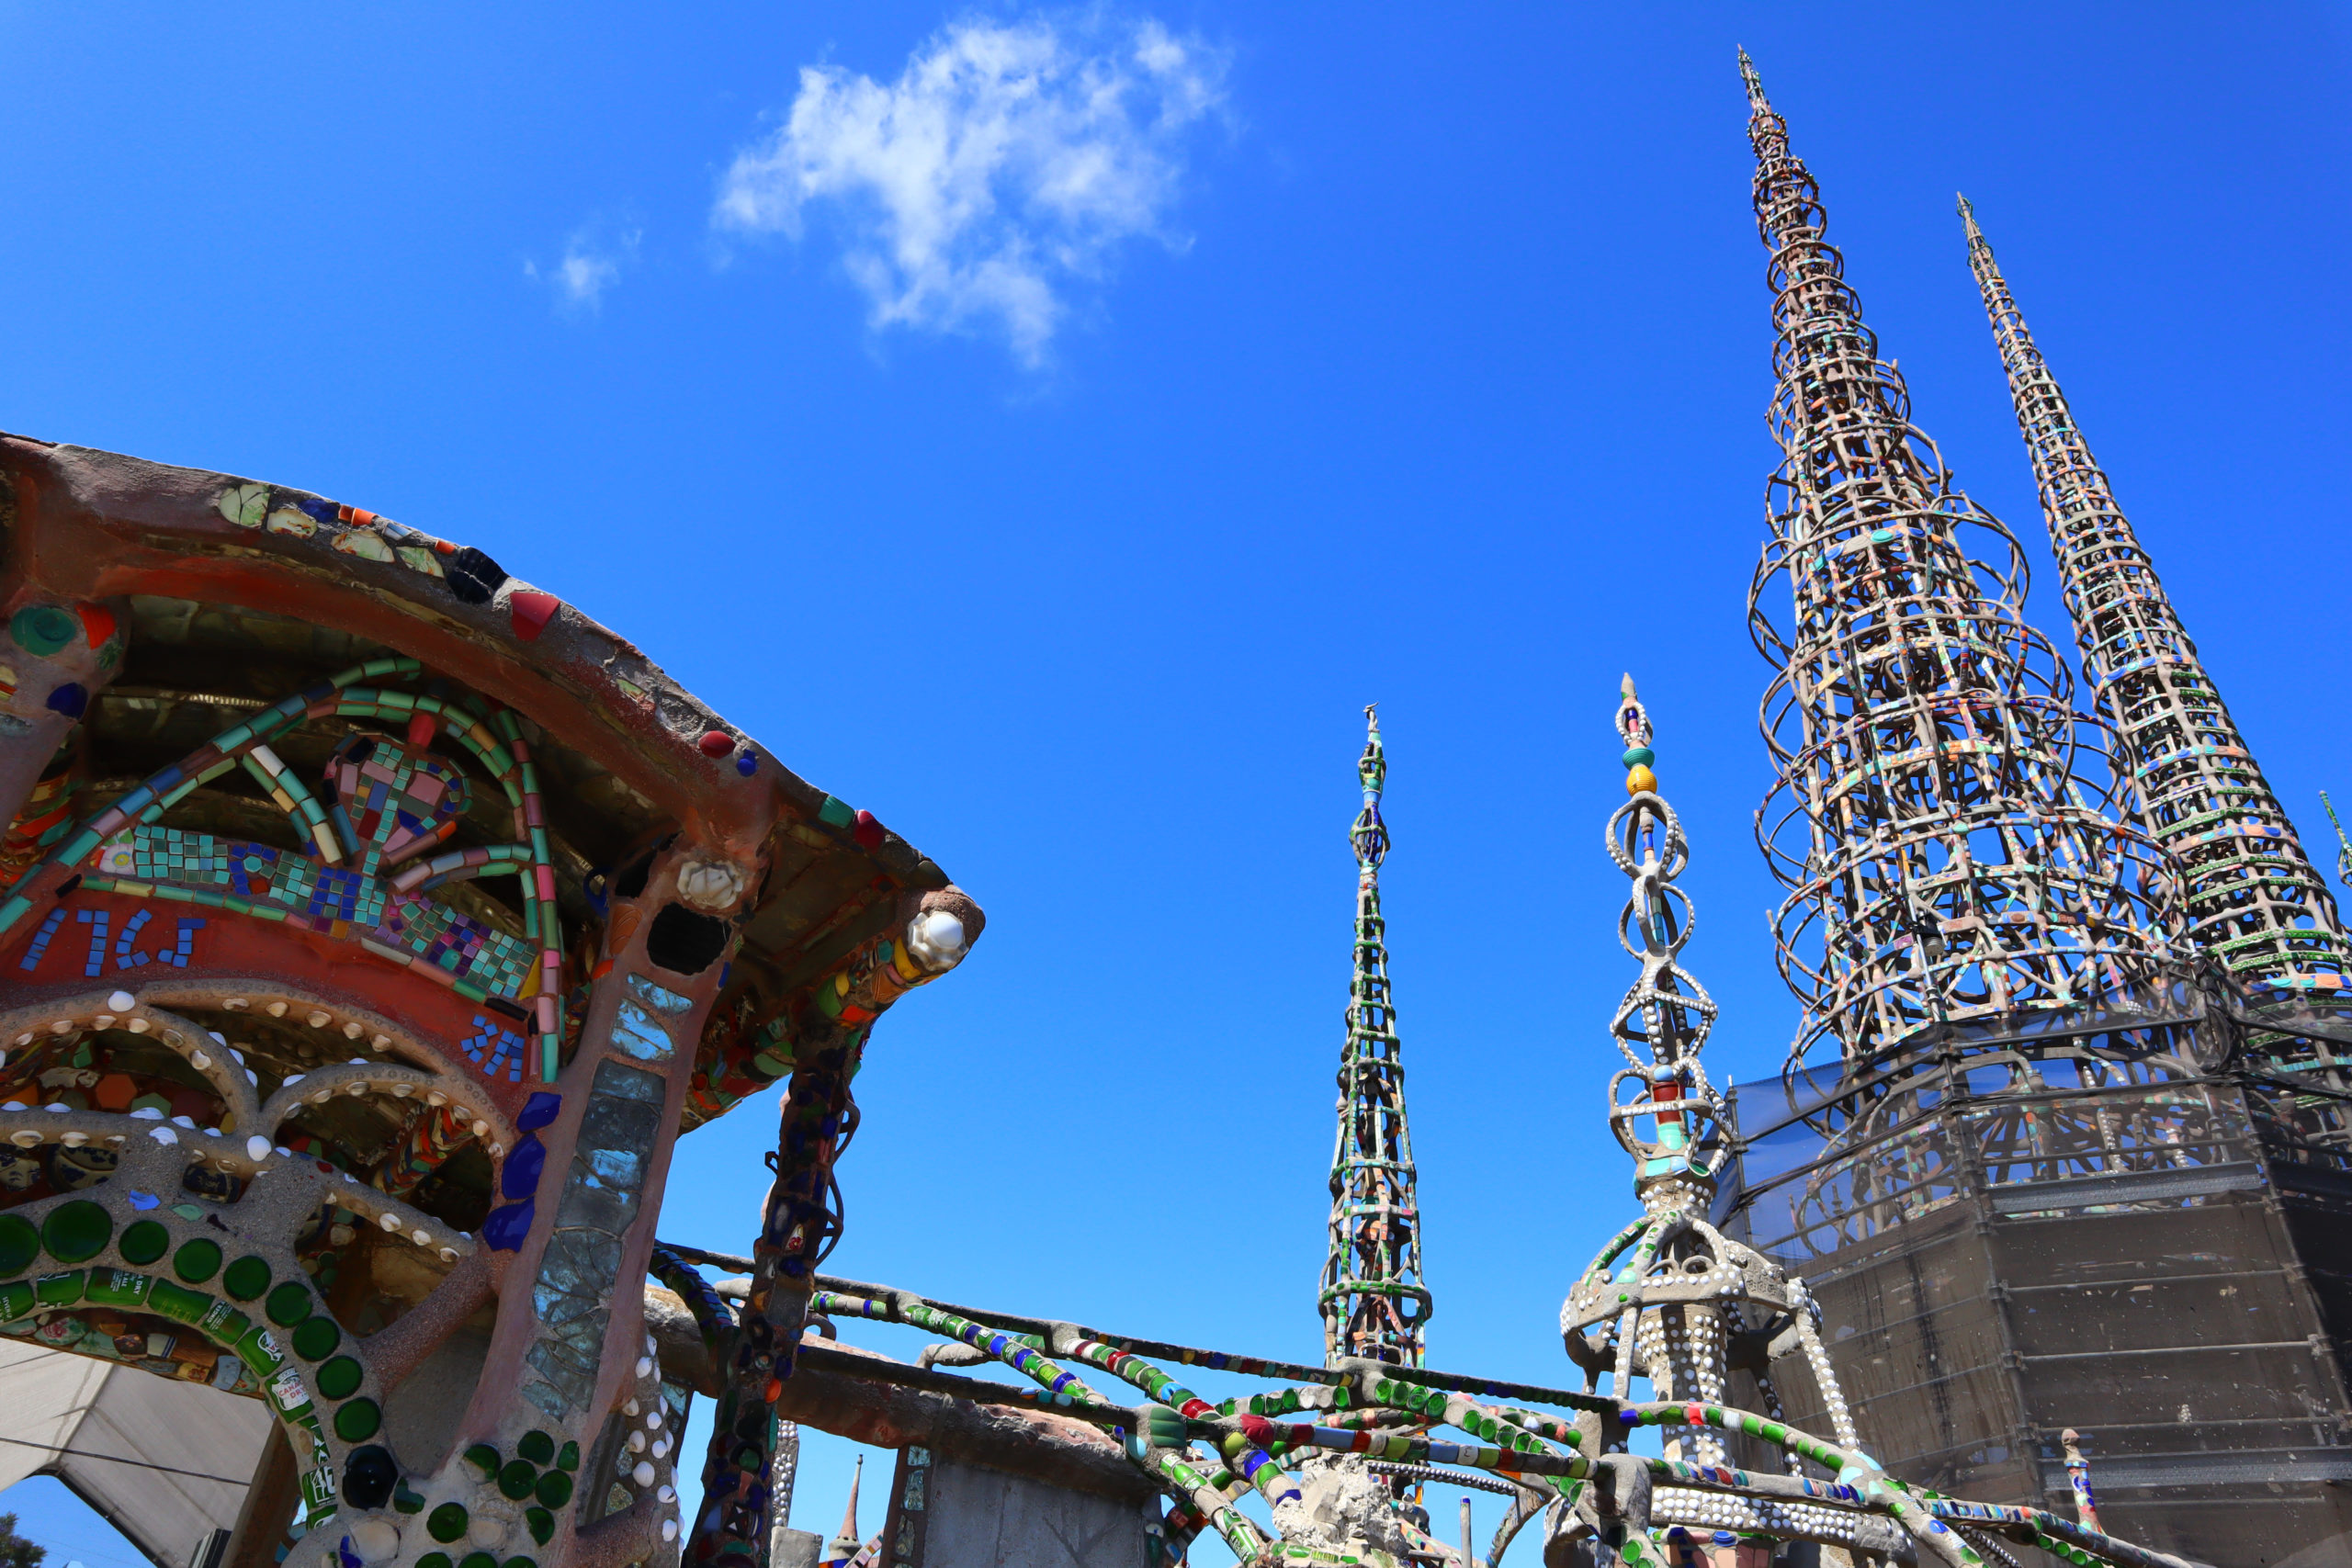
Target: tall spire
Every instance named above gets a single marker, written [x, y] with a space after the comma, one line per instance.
[1943, 863]
[1373, 1299]
[2251, 895]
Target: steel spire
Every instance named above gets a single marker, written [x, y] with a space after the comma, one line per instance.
[2251, 895]
[1372, 1301]
[1942, 862]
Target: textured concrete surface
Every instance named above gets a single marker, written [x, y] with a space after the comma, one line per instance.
[985, 1518]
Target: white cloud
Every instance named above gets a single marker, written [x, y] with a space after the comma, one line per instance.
[1000, 169]
[590, 266]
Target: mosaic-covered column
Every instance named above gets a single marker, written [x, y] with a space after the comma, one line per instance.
[579, 1194]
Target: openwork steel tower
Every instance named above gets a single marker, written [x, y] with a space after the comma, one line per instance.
[2251, 895]
[1373, 1299]
[1940, 856]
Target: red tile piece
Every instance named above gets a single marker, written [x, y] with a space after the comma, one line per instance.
[532, 610]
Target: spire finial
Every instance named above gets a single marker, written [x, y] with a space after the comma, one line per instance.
[846, 1545]
[1370, 834]
[1634, 728]
[1756, 98]
[1976, 241]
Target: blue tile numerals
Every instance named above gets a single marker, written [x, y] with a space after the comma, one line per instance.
[127, 953]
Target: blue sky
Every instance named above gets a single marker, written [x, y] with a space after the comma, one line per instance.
[1063, 500]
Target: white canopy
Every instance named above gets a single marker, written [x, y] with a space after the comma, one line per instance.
[166, 1462]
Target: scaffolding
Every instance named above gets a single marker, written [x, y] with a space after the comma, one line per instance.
[2030, 1225]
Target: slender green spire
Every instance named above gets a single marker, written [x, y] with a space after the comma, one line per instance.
[1372, 1301]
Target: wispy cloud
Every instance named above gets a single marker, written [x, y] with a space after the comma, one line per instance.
[590, 264]
[996, 176]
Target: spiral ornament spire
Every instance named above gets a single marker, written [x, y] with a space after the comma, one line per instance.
[1944, 860]
[1373, 1299]
[2250, 893]
[1672, 1298]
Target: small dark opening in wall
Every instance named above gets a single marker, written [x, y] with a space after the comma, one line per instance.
[684, 942]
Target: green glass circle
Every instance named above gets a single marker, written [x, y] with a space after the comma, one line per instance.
[245, 1279]
[521, 1562]
[144, 1242]
[446, 1522]
[19, 1244]
[339, 1379]
[516, 1481]
[316, 1339]
[288, 1305]
[76, 1232]
[555, 1489]
[196, 1261]
[477, 1560]
[434, 1560]
[536, 1446]
[41, 629]
[357, 1421]
[542, 1523]
[484, 1458]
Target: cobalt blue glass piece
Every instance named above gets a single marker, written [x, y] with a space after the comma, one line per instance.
[520, 1178]
[538, 1111]
[507, 1225]
[69, 699]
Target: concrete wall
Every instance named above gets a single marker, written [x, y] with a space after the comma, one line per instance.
[947, 1513]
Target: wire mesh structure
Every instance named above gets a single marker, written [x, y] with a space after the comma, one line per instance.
[1941, 854]
[2251, 895]
[1373, 1299]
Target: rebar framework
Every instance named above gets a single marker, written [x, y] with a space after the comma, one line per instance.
[1372, 1301]
[1925, 818]
[2250, 894]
